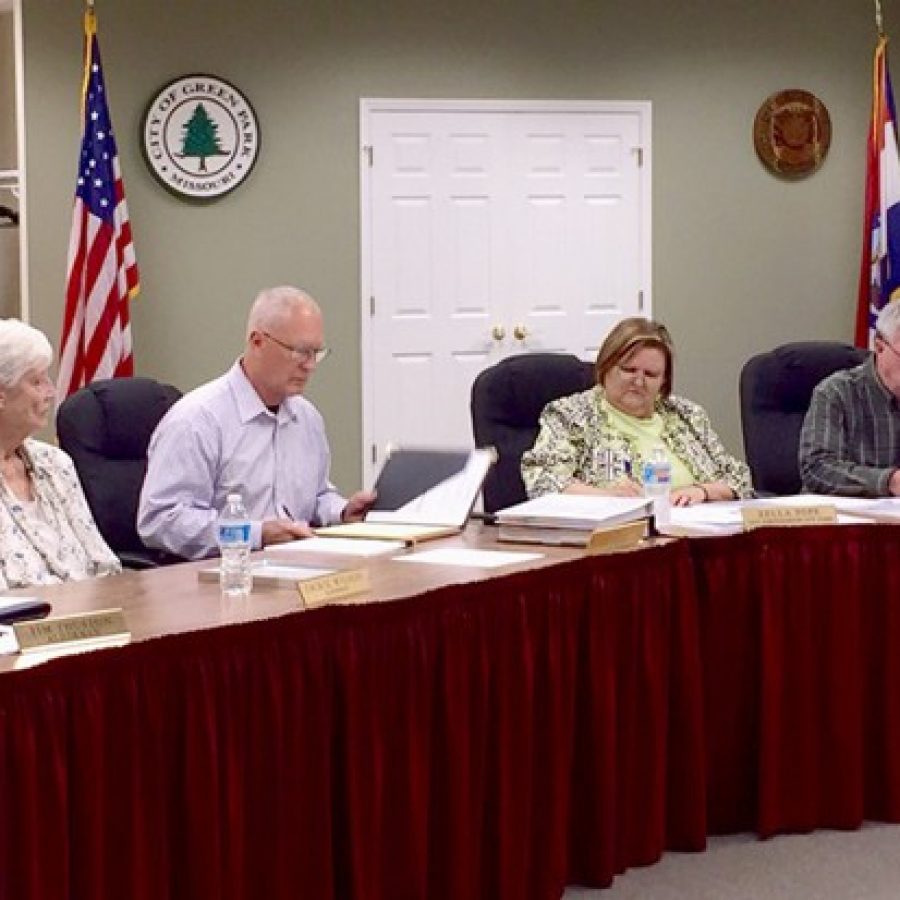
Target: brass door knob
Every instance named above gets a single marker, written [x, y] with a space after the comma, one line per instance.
[520, 332]
[498, 332]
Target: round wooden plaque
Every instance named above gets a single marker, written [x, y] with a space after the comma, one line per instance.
[792, 133]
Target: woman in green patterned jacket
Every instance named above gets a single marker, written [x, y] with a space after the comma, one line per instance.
[596, 442]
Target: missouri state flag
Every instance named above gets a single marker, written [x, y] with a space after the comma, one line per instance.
[879, 276]
[102, 272]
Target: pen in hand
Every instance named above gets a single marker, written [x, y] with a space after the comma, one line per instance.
[289, 515]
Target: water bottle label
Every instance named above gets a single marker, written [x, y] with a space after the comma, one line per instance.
[657, 473]
[238, 533]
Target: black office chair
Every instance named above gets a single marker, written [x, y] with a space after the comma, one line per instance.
[106, 427]
[775, 391]
[507, 400]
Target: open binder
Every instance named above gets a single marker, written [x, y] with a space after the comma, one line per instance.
[421, 494]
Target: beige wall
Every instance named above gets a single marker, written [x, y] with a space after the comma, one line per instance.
[741, 260]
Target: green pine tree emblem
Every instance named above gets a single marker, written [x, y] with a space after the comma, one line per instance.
[201, 137]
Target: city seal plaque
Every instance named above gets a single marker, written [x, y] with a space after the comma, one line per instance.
[792, 133]
[200, 137]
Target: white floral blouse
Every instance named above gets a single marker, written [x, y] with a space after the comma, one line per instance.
[574, 428]
[54, 538]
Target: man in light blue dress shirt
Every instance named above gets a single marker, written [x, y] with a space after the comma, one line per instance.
[249, 431]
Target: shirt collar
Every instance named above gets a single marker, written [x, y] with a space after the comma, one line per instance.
[249, 403]
[872, 372]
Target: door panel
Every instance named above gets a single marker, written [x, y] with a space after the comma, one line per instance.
[489, 231]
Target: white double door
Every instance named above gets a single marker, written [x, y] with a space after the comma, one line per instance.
[490, 229]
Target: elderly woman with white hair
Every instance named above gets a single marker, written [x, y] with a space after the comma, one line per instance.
[47, 533]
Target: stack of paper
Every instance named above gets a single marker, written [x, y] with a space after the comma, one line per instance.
[271, 575]
[567, 519]
[705, 519]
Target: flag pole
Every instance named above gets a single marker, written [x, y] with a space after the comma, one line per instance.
[101, 271]
[878, 20]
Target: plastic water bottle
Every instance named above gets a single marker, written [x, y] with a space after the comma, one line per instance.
[233, 533]
[658, 484]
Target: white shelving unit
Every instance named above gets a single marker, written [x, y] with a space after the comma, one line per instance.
[9, 181]
[13, 188]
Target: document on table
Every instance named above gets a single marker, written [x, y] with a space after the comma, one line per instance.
[348, 546]
[705, 519]
[724, 517]
[8, 642]
[884, 509]
[271, 574]
[472, 559]
[841, 504]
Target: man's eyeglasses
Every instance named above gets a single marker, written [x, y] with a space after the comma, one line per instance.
[301, 354]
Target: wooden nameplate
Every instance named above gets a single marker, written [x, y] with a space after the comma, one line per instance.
[336, 586]
[81, 630]
[617, 537]
[770, 516]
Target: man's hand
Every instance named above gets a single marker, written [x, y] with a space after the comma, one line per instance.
[357, 506]
[894, 483]
[279, 531]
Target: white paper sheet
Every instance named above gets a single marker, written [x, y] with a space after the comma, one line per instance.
[8, 642]
[473, 559]
[885, 509]
[267, 568]
[841, 504]
[721, 518]
[708, 518]
[346, 546]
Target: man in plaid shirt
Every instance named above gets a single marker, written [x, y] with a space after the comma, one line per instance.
[850, 442]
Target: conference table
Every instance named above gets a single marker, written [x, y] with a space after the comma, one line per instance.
[456, 732]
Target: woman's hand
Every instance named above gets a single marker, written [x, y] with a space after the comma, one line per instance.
[624, 487]
[701, 493]
[689, 496]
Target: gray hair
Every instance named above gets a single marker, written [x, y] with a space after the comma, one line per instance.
[888, 322]
[22, 348]
[273, 305]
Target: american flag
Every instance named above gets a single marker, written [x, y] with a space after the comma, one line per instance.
[879, 275]
[102, 273]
